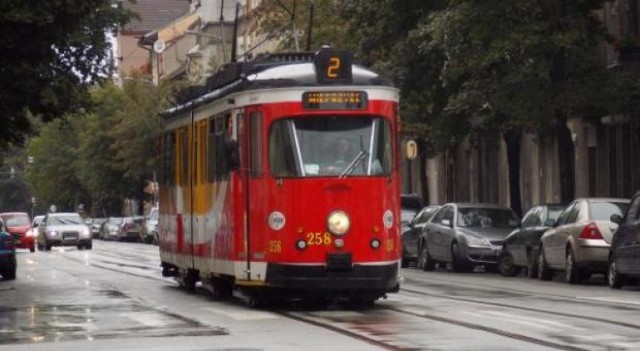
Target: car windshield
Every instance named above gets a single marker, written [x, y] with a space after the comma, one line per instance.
[335, 146]
[65, 220]
[602, 211]
[16, 220]
[486, 218]
[554, 213]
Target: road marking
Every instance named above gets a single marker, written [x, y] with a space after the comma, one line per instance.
[605, 299]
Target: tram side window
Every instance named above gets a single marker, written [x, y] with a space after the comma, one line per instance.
[382, 155]
[169, 159]
[281, 158]
[185, 158]
[216, 163]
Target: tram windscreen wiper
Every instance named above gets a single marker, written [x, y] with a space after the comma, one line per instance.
[359, 157]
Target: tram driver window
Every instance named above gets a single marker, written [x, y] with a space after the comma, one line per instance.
[330, 146]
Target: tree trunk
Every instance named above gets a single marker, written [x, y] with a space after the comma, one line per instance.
[566, 160]
[424, 179]
[512, 138]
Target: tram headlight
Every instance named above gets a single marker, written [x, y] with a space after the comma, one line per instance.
[338, 223]
[301, 245]
[375, 243]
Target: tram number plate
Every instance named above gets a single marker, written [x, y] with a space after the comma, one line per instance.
[275, 246]
[318, 239]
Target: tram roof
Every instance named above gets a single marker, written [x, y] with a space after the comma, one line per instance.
[270, 71]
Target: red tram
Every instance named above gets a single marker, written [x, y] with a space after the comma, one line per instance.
[282, 178]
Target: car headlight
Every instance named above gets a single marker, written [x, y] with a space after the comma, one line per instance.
[477, 242]
[52, 233]
[338, 223]
[85, 232]
[30, 233]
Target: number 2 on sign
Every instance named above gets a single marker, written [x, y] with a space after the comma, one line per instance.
[334, 66]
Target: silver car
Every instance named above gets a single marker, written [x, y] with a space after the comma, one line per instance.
[465, 235]
[578, 244]
[63, 229]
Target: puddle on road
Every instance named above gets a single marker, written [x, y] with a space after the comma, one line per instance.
[124, 319]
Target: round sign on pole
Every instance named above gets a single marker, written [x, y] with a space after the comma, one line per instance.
[411, 149]
[159, 46]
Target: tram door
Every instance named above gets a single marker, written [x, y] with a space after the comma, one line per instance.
[254, 179]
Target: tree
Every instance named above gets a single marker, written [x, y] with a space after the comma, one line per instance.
[54, 175]
[51, 51]
[523, 65]
[284, 19]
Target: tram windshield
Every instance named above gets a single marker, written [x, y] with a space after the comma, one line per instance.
[336, 146]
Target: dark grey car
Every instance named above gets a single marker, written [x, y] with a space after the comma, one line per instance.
[624, 254]
[520, 248]
[411, 234]
[465, 235]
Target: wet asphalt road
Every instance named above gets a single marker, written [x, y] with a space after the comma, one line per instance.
[114, 297]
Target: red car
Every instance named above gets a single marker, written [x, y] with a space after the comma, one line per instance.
[19, 226]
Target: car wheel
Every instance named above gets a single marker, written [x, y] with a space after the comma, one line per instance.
[404, 263]
[9, 273]
[572, 272]
[80, 247]
[32, 249]
[532, 265]
[47, 246]
[544, 272]
[506, 267]
[88, 246]
[614, 279]
[457, 262]
[424, 259]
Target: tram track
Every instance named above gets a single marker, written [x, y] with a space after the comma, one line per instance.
[479, 327]
[527, 309]
[405, 309]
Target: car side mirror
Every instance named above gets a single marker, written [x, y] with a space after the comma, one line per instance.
[616, 218]
[446, 222]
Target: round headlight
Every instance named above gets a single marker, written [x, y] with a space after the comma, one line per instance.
[338, 223]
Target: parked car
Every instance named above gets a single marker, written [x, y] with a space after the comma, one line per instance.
[19, 225]
[411, 202]
[131, 229]
[110, 229]
[578, 244]
[63, 229]
[411, 234]
[37, 220]
[95, 225]
[465, 235]
[520, 247]
[8, 264]
[151, 226]
[624, 254]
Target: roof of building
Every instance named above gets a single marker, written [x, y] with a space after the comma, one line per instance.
[154, 14]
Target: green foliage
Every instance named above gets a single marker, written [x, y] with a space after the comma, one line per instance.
[278, 18]
[100, 156]
[51, 51]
